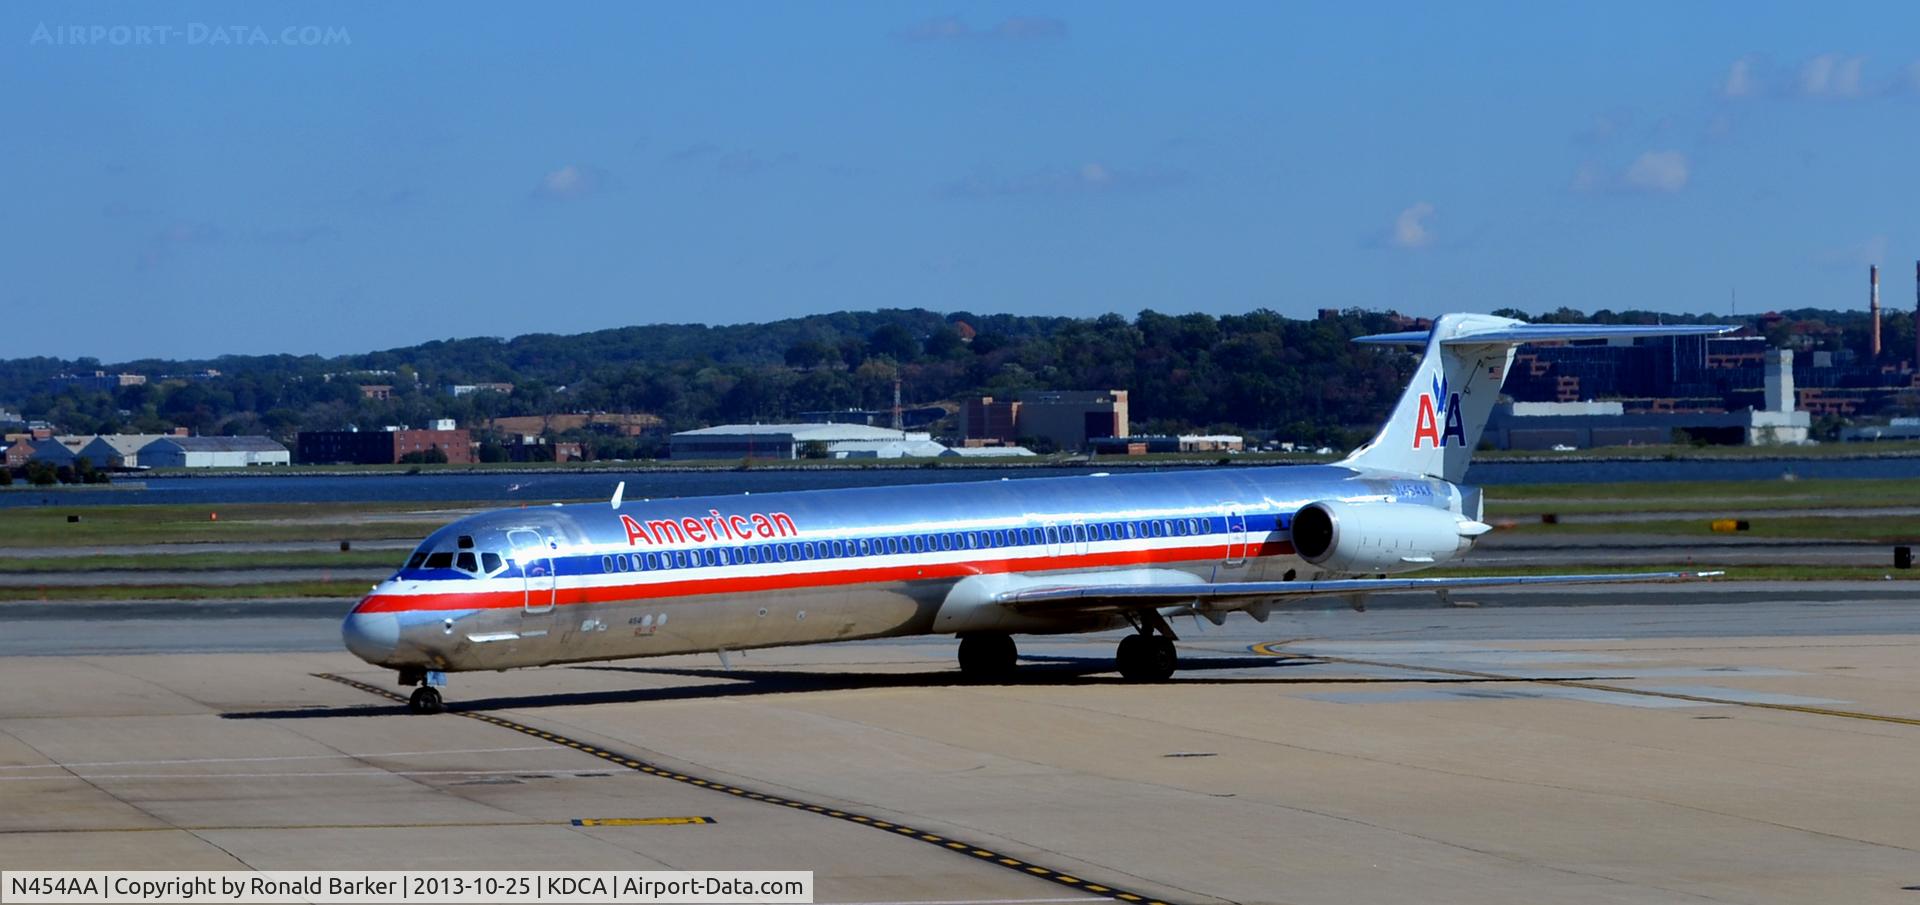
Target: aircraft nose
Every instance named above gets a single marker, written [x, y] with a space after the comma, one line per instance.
[372, 637]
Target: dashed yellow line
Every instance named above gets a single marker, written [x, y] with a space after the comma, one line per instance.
[944, 843]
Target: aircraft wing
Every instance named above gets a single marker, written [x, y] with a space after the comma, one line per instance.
[1096, 596]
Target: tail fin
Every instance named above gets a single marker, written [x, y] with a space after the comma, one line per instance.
[1438, 421]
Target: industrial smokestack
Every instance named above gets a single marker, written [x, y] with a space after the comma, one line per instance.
[1873, 308]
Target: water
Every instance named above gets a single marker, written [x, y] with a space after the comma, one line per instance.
[509, 489]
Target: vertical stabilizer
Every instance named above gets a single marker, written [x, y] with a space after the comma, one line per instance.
[1437, 423]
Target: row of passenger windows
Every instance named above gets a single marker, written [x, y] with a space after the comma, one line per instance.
[797, 551]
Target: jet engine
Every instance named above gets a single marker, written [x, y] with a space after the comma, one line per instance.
[1372, 538]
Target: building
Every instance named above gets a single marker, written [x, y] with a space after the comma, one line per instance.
[797, 441]
[1894, 429]
[1185, 443]
[385, 447]
[886, 449]
[213, 452]
[986, 452]
[380, 391]
[1068, 419]
[116, 450]
[98, 380]
[910, 416]
[618, 424]
[17, 453]
[59, 450]
[1586, 425]
[986, 418]
[465, 389]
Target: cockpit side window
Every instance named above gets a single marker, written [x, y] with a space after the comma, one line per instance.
[418, 559]
[491, 562]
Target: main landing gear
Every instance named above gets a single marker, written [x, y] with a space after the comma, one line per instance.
[426, 698]
[1147, 656]
[988, 656]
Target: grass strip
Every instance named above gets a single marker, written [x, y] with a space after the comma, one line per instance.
[202, 562]
[1812, 528]
[1761, 572]
[264, 590]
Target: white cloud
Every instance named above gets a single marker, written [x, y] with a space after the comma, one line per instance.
[1657, 171]
[1090, 178]
[1739, 81]
[1830, 75]
[1410, 229]
[1653, 172]
[572, 182]
[1860, 254]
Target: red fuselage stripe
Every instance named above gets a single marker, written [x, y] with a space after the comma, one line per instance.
[483, 600]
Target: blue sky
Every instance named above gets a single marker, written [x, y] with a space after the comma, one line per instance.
[488, 170]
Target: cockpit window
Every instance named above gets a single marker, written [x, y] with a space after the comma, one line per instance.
[466, 562]
[491, 563]
[417, 560]
[440, 560]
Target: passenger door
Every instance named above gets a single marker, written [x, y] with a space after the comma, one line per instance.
[1234, 565]
[535, 556]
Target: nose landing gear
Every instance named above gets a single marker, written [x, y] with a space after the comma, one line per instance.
[426, 698]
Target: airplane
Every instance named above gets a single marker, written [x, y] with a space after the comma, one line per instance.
[983, 561]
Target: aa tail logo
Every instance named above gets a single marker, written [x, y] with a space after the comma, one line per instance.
[1439, 417]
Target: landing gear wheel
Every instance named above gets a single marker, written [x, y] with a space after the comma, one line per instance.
[988, 657]
[425, 699]
[1147, 658]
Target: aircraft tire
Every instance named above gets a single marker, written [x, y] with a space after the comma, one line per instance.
[425, 699]
[1147, 658]
[989, 657]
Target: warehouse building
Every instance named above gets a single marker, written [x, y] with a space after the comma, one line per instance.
[799, 441]
[116, 450]
[1068, 419]
[384, 447]
[213, 452]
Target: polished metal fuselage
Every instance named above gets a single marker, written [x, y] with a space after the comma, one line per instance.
[591, 582]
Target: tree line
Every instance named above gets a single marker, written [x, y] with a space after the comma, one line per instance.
[1300, 378]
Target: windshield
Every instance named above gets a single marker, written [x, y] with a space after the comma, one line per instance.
[460, 554]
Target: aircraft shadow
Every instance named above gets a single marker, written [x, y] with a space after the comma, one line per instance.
[1044, 670]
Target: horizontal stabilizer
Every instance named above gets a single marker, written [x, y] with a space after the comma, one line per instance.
[1528, 333]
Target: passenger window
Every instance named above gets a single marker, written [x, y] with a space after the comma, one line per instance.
[919, 544]
[606, 563]
[467, 562]
[440, 560]
[780, 552]
[1053, 535]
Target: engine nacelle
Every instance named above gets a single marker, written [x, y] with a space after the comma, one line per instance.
[1363, 538]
